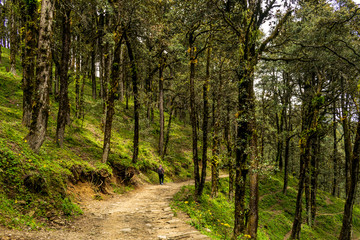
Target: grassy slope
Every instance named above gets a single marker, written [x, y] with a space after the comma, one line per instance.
[48, 172]
[275, 209]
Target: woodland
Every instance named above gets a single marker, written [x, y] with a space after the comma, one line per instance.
[103, 91]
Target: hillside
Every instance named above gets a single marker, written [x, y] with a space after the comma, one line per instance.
[36, 189]
[214, 217]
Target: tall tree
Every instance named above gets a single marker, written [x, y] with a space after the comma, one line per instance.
[134, 78]
[249, 17]
[40, 110]
[13, 35]
[64, 106]
[28, 60]
[114, 84]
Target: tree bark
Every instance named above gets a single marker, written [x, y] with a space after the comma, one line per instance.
[346, 228]
[193, 118]
[64, 105]
[13, 38]
[204, 159]
[243, 116]
[314, 178]
[41, 107]
[134, 78]
[310, 112]
[227, 137]
[28, 63]
[167, 138]
[93, 71]
[161, 105]
[110, 106]
[347, 137]
[335, 153]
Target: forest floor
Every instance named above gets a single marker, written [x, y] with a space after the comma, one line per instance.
[144, 213]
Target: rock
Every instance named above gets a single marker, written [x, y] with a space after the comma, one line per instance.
[59, 221]
[208, 230]
[162, 237]
[126, 230]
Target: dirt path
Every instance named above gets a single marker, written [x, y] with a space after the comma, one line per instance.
[141, 214]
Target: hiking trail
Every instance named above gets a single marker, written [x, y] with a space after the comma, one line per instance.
[143, 213]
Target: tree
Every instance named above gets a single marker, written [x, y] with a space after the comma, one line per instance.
[28, 59]
[114, 84]
[64, 106]
[249, 17]
[13, 35]
[40, 109]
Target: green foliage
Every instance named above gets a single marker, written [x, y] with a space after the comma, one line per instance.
[214, 217]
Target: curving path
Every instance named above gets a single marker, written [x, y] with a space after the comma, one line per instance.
[141, 214]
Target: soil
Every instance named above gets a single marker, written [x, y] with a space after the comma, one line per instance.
[143, 213]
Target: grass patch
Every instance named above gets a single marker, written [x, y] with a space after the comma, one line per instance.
[214, 216]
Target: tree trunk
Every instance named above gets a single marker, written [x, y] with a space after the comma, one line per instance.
[215, 143]
[110, 106]
[41, 107]
[242, 136]
[286, 164]
[161, 105]
[347, 137]
[28, 63]
[227, 137]
[204, 160]
[335, 153]
[57, 81]
[346, 228]
[314, 178]
[13, 38]
[305, 152]
[167, 138]
[102, 70]
[93, 71]
[134, 78]
[64, 106]
[310, 112]
[193, 118]
[122, 76]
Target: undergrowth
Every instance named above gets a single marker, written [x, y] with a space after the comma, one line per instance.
[214, 216]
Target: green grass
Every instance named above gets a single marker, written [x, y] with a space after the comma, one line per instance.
[34, 185]
[275, 211]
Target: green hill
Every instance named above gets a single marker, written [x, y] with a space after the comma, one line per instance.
[35, 187]
[214, 217]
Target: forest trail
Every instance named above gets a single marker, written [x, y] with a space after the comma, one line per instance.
[144, 213]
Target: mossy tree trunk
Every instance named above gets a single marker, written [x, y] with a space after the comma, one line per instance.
[167, 136]
[13, 36]
[110, 103]
[346, 228]
[28, 59]
[63, 117]
[161, 103]
[93, 70]
[134, 78]
[335, 153]
[193, 118]
[206, 88]
[347, 135]
[312, 101]
[41, 107]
